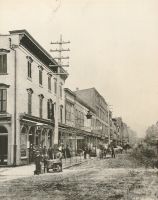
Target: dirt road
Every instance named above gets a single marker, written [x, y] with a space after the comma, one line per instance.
[110, 179]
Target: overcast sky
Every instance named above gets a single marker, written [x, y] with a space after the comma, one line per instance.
[114, 47]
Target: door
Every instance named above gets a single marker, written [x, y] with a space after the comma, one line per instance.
[3, 149]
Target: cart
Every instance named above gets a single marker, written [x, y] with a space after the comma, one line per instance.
[54, 165]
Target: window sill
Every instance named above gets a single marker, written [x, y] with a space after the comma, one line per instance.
[30, 79]
[49, 91]
[40, 85]
[3, 73]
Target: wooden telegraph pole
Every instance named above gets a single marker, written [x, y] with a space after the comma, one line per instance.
[59, 65]
[109, 139]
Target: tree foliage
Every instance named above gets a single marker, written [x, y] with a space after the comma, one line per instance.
[151, 136]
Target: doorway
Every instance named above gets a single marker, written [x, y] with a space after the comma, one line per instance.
[3, 149]
[3, 145]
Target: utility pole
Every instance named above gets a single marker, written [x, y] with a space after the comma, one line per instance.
[59, 65]
[108, 106]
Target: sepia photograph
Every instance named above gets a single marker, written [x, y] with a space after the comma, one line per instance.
[78, 99]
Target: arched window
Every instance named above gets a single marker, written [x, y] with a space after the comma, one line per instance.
[3, 129]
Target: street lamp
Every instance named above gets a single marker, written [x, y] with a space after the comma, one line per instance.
[89, 115]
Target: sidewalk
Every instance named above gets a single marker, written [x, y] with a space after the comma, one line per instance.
[9, 173]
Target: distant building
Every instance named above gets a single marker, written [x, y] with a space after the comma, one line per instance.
[79, 123]
[125, 135]
[28, 89]
[102, 122]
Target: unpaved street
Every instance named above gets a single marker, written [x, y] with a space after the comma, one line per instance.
[109, 179]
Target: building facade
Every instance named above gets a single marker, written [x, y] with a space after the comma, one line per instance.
[28, 94]
[100, 124]
[79, 119]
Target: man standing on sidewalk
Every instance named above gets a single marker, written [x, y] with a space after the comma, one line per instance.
[38, 160]
[59, 156]
[112, 152]
[68, 154]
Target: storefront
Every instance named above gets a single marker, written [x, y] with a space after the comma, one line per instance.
[35, 134]
[77, 139]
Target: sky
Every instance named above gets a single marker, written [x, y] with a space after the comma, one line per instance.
[114, 47]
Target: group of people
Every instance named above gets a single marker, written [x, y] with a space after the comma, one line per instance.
[40, 155]
[102, 151]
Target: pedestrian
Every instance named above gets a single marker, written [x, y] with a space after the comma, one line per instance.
[112, 152]
[50, 154]
[63, 152]
[45, 159]
[38, 159]
[59, 156]
[68, 154]
[85, 153]
[44, 150]
[98, 153]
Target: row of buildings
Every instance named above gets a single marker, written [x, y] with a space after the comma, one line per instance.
[28, 101]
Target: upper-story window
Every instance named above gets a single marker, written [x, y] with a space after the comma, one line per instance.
[30, 91]
[41, 105]
[61, 90]
[40, 75]
[49, 82]
[29, 67]
[55, 86]
[68, 111]
[82, 119]
[3, 97]
[3, 63]
[3, 100]
[50, 109]
[29, 70]
[61, 113]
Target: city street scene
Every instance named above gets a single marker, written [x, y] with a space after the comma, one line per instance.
[78, 100]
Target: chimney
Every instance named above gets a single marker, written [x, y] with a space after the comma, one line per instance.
[77, 89]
